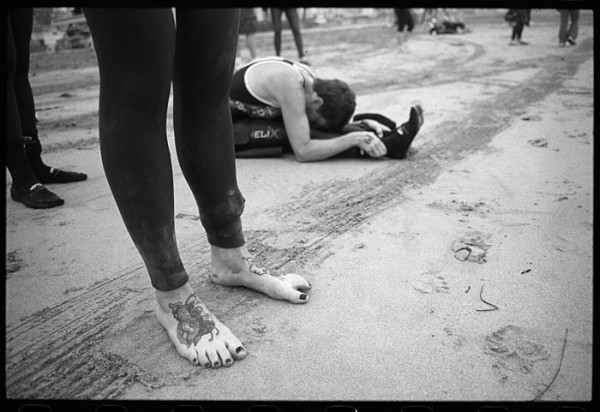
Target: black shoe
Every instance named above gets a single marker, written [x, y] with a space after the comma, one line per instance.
[415, 120]
[52, 175]
[398, 142]
[36, 197]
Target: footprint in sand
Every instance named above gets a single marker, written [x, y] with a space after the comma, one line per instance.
[14, 262]
[538, 142]
[512, 351]
[472, 246]
[430, 282]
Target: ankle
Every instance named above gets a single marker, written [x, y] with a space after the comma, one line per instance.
[163, 298]
[225, 255]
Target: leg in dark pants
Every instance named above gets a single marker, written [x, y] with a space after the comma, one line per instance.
[22, 25]
[517, 31]
[568, 32]
[135, 50]
[26, 187]
[139, 52]
[203, 128]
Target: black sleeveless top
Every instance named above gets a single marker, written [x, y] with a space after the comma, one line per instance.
[239, 91]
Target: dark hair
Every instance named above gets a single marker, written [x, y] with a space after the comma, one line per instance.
[339, 102]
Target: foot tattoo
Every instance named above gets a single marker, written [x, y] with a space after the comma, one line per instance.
[193, 321]
[257, 270]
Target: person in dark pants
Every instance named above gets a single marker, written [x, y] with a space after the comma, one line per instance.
[567, 33]
[522, 19]
[23, 147]
[405, 24]
[294, 21]
[140, 52]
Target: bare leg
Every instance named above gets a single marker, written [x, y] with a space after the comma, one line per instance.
[276, 19]
[294, 21]
[251, 44]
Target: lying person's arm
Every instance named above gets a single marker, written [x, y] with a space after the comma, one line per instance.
[357, 126]
[307, 149]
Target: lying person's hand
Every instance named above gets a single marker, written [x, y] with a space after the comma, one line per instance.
[370, 144]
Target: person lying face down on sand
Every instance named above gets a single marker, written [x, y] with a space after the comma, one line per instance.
[278, 103]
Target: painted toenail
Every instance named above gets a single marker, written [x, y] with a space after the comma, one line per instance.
[303, 296]
[228, 361]
[238, 350]
[217, 364]
[207, 365]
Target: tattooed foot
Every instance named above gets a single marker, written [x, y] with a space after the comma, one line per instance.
[236, 267]
[195, 331]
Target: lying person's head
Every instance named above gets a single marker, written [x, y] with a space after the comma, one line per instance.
[337, 107]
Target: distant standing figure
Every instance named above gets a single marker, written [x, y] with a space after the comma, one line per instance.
[294, 22]
[405, 23]
[568, 32]
[521, 19]
[23, 148]
[248, 29]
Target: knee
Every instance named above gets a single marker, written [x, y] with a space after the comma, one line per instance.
[137, 88]
[228, 210]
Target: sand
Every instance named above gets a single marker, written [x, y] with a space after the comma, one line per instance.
[495, 205]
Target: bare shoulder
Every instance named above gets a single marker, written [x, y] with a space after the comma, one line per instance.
[276, 80]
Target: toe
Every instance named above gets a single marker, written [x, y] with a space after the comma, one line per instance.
[191, 355]
[285, 291]
[195, 358]
[203, 359]
[296, 281]
[239, 352]
[301, 298]
[225, 358]
[292, 295]
[213, 358]
[235, 348]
